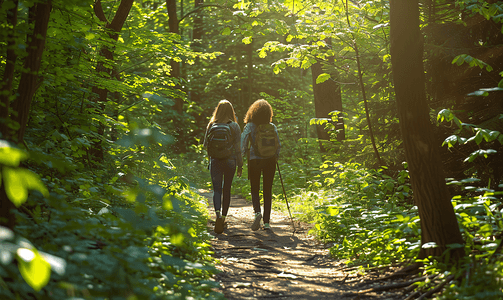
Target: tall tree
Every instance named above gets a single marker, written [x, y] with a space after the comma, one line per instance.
[173, 24]
[8, 76]
[438, 221]
[197, 35]
[29, 82]
[113, 27]
[39, 15]
[327, 98]
[362, 88]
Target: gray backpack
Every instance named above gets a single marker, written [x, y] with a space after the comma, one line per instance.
[220, 141]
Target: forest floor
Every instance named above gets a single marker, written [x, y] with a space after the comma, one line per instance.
[282, 264]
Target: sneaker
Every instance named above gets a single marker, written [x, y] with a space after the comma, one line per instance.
[219, 225]
[267, 226]
[256, 222]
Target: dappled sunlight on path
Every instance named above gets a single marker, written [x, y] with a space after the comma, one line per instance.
[276, 263]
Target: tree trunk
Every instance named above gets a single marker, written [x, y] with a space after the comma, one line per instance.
[8, 75]
[249, 72]
[327, 98]
[438, 221]
[197, 35]
[362, 87]
[29, 82]
[175, 66]
[115, 26]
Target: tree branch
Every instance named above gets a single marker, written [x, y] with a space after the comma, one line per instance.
[98, 10]
[394, 286]
[437, 288]
[121, 15]
[201, 7]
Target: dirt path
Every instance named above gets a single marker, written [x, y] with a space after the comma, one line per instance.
[277, 264]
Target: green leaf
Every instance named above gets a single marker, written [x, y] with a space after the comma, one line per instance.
[479, 93]
[455, 246]
[477, 153]
[491, 135]
[17, 183]
[159, 99]
[333, 211]
[450, 141]
[293, 5]
[226, 31]
[177, 239]
[444, 114]
[322, 78]
[10, 156]
[479, 137]
[458, 60]
[247, 40]
[57, 264]
[34, 269]
[486, 230]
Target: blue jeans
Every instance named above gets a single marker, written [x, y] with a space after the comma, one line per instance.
[222, 171]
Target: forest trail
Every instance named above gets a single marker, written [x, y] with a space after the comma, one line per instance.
[281, 264]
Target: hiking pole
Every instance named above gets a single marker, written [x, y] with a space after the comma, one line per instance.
[286, 200]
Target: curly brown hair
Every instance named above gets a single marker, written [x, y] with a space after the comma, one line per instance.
[260, 112]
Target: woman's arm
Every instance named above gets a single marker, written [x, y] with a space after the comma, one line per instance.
[237, 144]
[205, 143]
[245, 139]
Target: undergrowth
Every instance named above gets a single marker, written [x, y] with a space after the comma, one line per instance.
[368, 219]
[130, 230]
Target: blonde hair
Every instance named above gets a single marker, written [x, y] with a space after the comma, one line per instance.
[223, 113]
[260, 112]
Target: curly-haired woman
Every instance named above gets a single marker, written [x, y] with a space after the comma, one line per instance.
[259, 115]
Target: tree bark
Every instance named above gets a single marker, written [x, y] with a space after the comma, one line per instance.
[29, 82]
[115, 27]
[197, 35]
[327, 98]
[175, 65]
[438, 221]
[8, 76]
[39, 15]
[249, 72]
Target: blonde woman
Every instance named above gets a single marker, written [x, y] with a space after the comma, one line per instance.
[222, 140]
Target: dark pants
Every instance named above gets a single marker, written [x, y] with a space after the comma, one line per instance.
[256, 168]
[222, 172]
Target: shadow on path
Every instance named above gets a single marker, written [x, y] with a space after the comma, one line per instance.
[275, 264]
